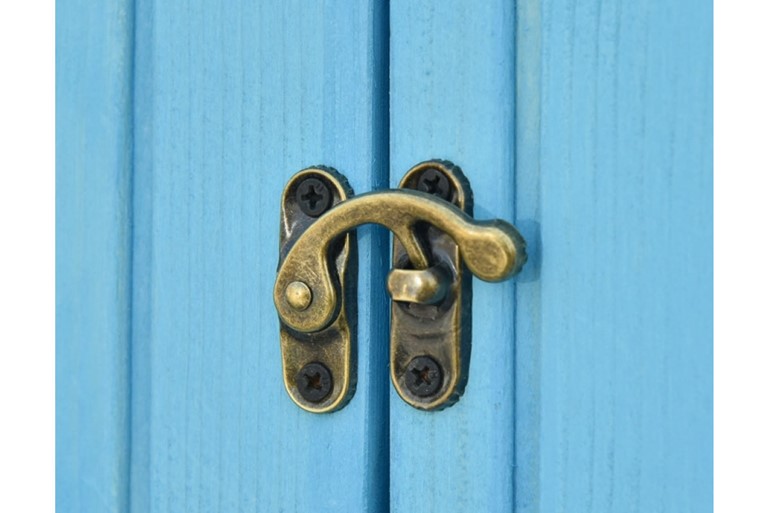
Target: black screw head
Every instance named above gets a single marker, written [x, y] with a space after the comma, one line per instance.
[434, 182]
[313, 196]
[423, 376]
[314, 382]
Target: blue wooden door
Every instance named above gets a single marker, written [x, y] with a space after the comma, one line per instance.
[586, 124]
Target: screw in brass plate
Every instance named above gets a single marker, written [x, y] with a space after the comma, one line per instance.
[314, 382]
[423, 376]
[434, 182]
[313, 197]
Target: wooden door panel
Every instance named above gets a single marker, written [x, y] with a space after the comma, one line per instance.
[93, 254]
[227, 101]
[613, 191]
[614, 338]
[241, 96]
[452, 97]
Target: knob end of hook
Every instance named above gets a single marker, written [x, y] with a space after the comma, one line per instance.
[495, 251]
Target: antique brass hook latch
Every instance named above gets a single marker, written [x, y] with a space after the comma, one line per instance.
[436, 241]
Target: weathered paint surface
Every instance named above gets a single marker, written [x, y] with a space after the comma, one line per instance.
[587, 124]
[93, 254]
[452, 97]
[224, 102]
[614, 325]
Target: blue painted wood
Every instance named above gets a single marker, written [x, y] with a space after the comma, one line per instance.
[165, 277]
[231, 100]
[613, 355]
[93, 254]
[452, 97]
[614, 326]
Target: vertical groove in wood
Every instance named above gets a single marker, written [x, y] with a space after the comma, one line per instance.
[614, 338]
[93, 254]
[233, 98]
[376, 266]
[528, 322]
[140, 476]
[452, 97]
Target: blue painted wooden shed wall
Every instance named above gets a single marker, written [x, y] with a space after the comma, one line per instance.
[588, 124]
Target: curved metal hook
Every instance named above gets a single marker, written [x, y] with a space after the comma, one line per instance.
[304, 293]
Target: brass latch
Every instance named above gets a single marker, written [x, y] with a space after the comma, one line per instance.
[436, 240]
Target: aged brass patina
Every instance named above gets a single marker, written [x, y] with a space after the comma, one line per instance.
[424, 286]
[430, 342]
[308, 356]
[435, 240]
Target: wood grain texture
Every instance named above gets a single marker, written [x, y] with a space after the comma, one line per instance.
[452, 97]
[93, 254]
[590, 380]
[232, 99]
[614, 328]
